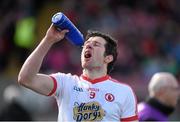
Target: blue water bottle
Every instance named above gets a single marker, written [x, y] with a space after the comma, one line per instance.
[62, 22]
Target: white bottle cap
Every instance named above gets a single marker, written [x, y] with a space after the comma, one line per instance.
[57, 17]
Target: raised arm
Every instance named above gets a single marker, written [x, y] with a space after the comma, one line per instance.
[29, 74]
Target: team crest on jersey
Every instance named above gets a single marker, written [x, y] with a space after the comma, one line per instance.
[109, 97]
[91, 111]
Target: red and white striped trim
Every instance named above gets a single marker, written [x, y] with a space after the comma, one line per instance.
[101, 79]
[133, 118]
[54, 87]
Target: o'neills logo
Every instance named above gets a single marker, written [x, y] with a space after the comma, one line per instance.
[91, 111]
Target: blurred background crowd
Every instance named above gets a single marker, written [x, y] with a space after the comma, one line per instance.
[148, 34]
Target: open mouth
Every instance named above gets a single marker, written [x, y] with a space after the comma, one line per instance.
[87, 54]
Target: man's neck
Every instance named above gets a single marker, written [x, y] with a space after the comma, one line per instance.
[94, 74]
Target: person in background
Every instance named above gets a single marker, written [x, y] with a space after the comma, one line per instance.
[93, 96]
[163, 97]
[13, 110]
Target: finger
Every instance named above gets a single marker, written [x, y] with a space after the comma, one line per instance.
[53, 26]
[65, 31]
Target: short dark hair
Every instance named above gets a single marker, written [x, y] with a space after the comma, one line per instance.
[110, 46]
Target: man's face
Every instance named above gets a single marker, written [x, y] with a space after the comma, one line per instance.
[172, 93]
[92, 55]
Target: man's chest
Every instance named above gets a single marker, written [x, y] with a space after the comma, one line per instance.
[94, 102]
[93, 93]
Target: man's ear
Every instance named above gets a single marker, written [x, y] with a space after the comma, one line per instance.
[108, 58]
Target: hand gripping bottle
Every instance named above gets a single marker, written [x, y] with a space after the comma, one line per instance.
[62, 22]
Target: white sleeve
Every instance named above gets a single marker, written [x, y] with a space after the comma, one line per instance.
[63, 83]
[130, 107]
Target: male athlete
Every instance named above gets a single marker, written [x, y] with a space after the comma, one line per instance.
[93, 96]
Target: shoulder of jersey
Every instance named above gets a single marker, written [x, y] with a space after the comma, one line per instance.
[119, 83]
